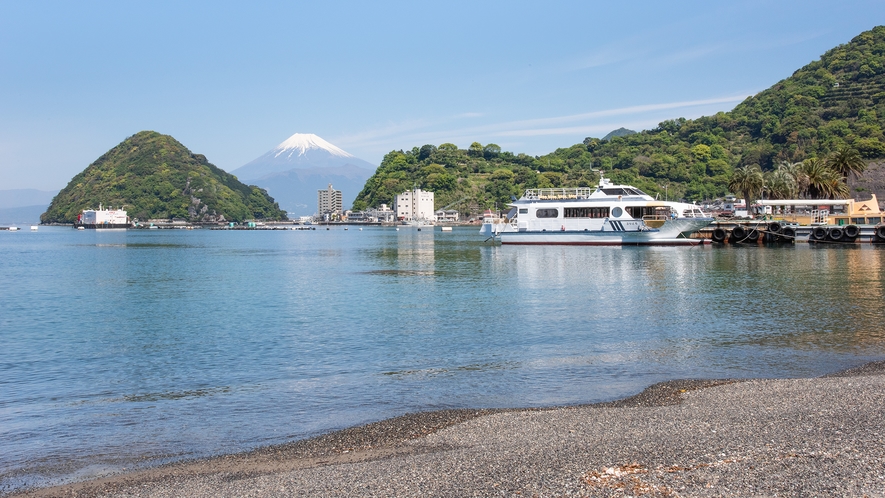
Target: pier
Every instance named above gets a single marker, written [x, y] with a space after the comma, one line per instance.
[780, 232]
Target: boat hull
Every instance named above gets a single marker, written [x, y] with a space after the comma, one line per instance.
[672, 233]
[594, 239]
[100, 226]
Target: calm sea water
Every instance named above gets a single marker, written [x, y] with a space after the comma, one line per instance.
[126, 348]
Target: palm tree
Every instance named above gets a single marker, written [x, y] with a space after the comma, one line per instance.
[846, 161]
[823, 181]
[779, 185]
[782, 183]
[797, 176]
[748, 181]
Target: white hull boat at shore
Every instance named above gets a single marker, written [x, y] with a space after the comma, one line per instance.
[607, 215]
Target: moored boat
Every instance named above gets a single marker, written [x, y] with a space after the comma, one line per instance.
[102, 219]
[607, 214]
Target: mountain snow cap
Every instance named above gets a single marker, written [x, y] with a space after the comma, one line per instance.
[303, 142]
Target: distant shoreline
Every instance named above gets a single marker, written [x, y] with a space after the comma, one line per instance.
[417, 437]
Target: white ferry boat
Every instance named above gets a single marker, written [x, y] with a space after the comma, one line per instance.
[102, 219]
[607, 214]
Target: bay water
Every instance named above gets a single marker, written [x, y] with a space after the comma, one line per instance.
[121, 349]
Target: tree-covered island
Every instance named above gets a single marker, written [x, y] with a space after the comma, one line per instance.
[154, 176]
[793, 139]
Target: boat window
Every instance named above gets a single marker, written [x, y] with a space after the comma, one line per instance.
[615, 191]
[585, 212]
[622, 191]
[617, 212]
[858, 221]
[523, 210]
[640, 212]
[874, 220]
[547, 213]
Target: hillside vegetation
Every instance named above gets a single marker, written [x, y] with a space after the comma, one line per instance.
[833, 105]
[155, 176]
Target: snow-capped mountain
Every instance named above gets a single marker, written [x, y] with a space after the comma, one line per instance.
[301, 150]
[294, 170]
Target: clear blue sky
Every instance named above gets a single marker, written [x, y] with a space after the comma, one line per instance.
[231, 80]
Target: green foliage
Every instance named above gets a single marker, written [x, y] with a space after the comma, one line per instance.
[835, 103]
[154, 176]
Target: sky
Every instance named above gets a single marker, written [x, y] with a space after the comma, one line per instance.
[231, 80]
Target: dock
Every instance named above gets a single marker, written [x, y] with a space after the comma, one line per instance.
[780, 232]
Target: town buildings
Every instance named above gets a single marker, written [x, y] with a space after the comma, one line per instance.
[329, 204]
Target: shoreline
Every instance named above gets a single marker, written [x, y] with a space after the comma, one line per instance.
[423, 442]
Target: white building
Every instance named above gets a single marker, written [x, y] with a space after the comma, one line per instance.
[414, 205]
[449, 216]
[383, 213]
[329, 203]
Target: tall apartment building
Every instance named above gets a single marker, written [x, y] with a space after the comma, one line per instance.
[414, 205]
[329, 203]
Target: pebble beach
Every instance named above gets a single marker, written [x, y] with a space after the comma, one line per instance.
[783, 437]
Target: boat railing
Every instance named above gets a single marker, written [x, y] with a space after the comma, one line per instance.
[547, 194]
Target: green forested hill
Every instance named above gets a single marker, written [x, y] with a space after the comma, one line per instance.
[837, 102]
[155, 176]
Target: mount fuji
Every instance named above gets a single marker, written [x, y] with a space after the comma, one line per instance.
[293, 171]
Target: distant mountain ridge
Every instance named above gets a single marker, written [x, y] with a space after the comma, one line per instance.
[25, 197]
[620, 132]
[294, 170]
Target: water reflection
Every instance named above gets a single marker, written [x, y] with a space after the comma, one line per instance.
[204, 342]
[725, 297]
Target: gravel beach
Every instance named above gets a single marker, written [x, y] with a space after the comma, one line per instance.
[786, 437]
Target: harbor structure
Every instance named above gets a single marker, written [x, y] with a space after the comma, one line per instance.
[822, 221]
[415, 205]
[329, 203]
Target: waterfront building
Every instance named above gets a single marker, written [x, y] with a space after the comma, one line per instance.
[415, 204]
[329, 203]
[383, 214]
[448, 216]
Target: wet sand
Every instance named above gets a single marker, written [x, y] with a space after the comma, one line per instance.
[788, 437]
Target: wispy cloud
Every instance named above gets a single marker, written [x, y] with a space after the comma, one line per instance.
[622, 111]
[687, 55]
[438, 131]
